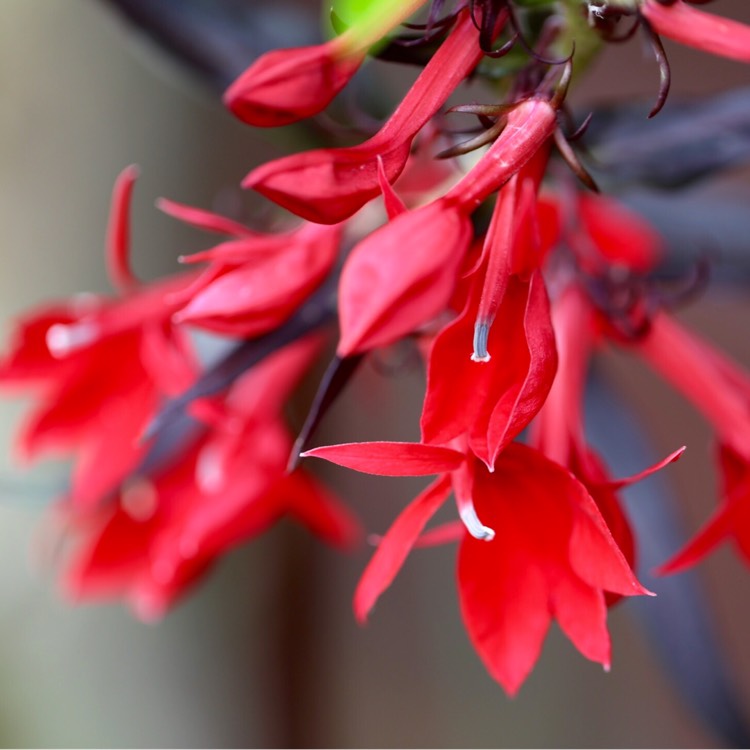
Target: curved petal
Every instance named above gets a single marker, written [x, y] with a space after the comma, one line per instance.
[396, 545]
[390, 459]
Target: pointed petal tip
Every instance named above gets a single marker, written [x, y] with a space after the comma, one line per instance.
[361, 611]
[675, 566]
[132, 171]
[250, 180]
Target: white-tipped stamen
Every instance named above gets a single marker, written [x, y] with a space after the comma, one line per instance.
[209, 473]
[473, 525]
[481, 335]
[63, 338]
[139, 499]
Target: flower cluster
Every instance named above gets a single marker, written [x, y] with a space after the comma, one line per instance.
[506, 273]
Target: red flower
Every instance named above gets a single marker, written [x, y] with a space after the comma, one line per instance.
[287, 85]
[529, 124]
[730, 521]
[167, 529]
[694, 28]
[284, 86]
[255, 281]
[558, 430]
[491, 403]
[607, 233]
[100, 366]
[401, 276]
[329, 185]
[551, 554]
[721, 391]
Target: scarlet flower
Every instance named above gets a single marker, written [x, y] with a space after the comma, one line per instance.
[551, 554]
[253, 281]
[491, 403]
[167, 529]
[284, 86]
[401, 276]
[605, 233]
[720, 390]
[558, 430]
[287, 85]
[729, 522]
[329, 185]
[695, 28]
[101, 367]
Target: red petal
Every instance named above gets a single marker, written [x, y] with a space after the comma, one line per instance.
[505, 607]
[202, 219]
[581, 612]
[693, 27]
[401, 276]
[322, 512]
[620, 235]
[118, 232]
[395, 546]
[287, 85]
[719, 528]
[446, 533]
[390, 459]
[256, 296]
[495, 400]
[594, 554]
[508, 419]
[530, 123]
[329, 185]
[617, 484]
[394, 206]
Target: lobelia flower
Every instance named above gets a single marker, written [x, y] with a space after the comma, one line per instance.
[100, 367]
[254, 281]
[720, 390]
[167, 528]
[558, 430]
[493, 402]
[329, 185]
[403, 274]
[549, 554]
[695, 28]
[284, 86]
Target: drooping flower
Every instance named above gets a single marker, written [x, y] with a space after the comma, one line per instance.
[490, 403]
[720, 390]
[551, 555]
[558, 431]
[168, 527]
[329, 185]
[400, 276]
[729, 522]
[284, 86]
[100, 367]
[254, 281]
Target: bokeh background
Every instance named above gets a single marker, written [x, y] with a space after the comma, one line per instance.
[266, 652]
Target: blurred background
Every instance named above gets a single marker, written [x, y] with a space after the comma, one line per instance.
[266, 651]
